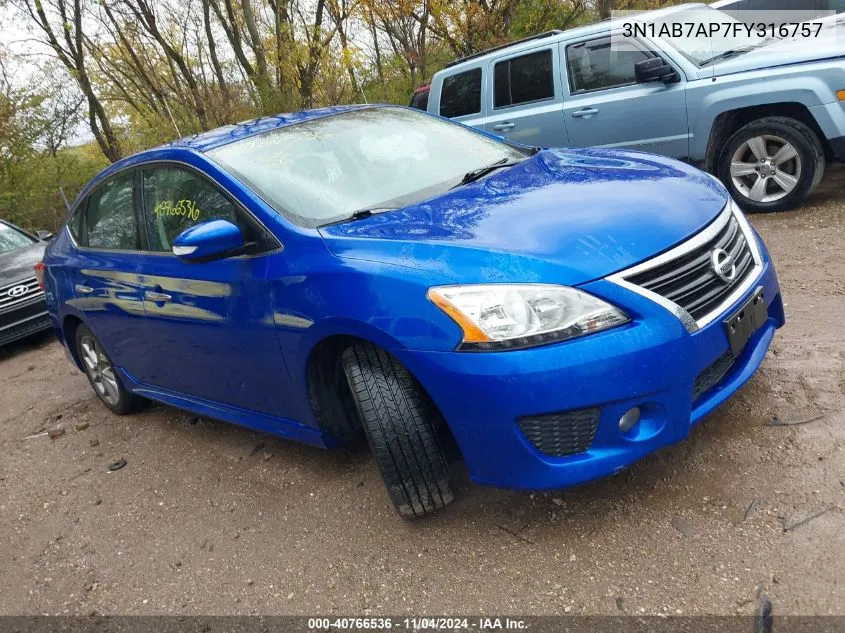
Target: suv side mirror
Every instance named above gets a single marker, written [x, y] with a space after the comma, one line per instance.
[208, 241]
[654, 69]
[44, 235]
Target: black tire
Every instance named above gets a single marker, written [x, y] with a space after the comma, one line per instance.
[808, 164]
[401, 425]
[120, 401]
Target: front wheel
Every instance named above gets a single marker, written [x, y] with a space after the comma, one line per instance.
[401, 424]
[771, 164]
[102, 375]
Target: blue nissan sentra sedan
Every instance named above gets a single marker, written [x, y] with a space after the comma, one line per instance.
[550, 316]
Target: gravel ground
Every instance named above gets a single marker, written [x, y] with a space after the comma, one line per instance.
[208, 518]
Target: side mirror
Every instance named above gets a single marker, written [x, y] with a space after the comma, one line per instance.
[44, 235]
[654, 69]
[207, 241]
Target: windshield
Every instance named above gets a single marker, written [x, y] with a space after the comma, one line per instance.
[11, 239]
[693, 40]
[324, 170]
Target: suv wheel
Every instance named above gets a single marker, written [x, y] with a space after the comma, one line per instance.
[102, 375]
[771, 164]
[401, 424]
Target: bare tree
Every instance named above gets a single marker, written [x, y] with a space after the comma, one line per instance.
[70, 50]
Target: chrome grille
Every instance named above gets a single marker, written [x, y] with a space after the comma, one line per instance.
[10, 296]
[686, 277]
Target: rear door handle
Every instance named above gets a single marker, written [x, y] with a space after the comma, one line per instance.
[501, 127]
[157, 297]
[83, 290]
[585, 112]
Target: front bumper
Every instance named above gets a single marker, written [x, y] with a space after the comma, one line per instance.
[652, 362]
[24, 320]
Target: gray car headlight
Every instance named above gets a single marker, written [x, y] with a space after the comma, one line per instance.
[514, 316]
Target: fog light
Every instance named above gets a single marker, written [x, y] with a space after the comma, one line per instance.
[629, 419]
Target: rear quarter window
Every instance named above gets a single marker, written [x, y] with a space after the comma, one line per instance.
[419, 100]
[460, 94]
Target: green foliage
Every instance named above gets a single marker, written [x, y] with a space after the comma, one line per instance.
[29, 184]
[34, 126]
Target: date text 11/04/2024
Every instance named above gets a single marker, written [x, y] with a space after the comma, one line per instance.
[418, 623]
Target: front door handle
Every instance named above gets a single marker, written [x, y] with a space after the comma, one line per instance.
[157, 297]
[501, 127]
[83, 290]
[585, 112]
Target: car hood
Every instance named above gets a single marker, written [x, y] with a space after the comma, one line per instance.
[562, 216]
[19, 264]
[790, 50]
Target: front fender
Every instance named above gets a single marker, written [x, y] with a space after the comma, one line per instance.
[373, 301]
[709, 98]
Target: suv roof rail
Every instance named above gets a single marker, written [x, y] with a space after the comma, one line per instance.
[539, 36]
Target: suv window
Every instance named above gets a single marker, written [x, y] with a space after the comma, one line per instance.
[596, 65]
[110, 215]
[461, 94]
[419, 99]
[523, 79]
[176, 199]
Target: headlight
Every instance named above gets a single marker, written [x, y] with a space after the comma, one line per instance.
[513, 316]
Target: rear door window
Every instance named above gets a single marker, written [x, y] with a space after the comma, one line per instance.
[110, 216]
[598, 64]
[460, 94]
[176, 199]
[523, 79]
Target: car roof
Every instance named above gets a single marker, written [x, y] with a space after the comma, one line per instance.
[533, 42]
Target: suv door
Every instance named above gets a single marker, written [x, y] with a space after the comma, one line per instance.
[104, 270]
[209, 325]
[525, 98]
[605, 105]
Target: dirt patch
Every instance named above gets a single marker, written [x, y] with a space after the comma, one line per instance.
[199, 520]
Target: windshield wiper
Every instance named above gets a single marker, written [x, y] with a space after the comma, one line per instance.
[734, 52]
[360, 214]
[477, 174]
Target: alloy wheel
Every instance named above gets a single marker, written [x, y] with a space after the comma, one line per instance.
[765, 168]
[100, 371]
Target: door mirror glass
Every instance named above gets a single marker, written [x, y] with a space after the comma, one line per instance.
[207, 241]
[44, 235]
[654, 69]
